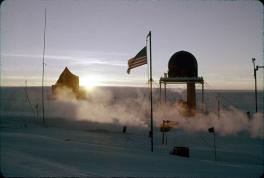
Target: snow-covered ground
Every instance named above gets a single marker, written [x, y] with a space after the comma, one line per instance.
[71, 148]
[73, 144]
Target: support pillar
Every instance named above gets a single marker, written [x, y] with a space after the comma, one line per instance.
[160, 92]
[191, 96]
[203, 104]
[165, 93]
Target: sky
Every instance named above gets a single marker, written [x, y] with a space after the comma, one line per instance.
[95, 39]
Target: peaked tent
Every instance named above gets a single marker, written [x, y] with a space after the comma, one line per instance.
[68, 80]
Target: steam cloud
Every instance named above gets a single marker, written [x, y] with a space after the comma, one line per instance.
[231, 121]
[102, 107]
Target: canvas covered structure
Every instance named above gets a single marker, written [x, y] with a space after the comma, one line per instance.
[66, 80]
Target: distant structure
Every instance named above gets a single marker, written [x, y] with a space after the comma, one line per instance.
[70, 81]
[183, 68]
[182, 64]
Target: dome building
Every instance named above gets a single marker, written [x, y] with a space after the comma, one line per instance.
[182, 64]
[183, 68]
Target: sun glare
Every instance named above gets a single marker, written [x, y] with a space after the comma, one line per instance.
[90, 82]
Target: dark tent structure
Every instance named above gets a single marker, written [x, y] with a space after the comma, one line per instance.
[67, 80]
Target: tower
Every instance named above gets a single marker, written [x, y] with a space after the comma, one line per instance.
[183, 68]
[183, 64]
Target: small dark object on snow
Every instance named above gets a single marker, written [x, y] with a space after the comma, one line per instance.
[248, 115]
[211, 130]
[150, 134]
[124, 129]
[180, 151]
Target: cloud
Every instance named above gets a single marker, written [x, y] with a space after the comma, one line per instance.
[92, 58]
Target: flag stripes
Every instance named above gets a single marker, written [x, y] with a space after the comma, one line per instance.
[139, 60]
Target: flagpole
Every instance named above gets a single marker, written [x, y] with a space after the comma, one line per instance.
[214, 147]
[43, 65]
[151, 100]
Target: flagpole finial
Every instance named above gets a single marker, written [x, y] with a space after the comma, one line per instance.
[149, 34]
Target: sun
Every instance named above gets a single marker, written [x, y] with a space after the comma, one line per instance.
[90, 82]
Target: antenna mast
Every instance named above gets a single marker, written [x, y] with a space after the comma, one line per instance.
[43, 65]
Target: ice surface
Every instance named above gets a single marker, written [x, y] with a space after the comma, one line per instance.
[66, 147]
[91, 149]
